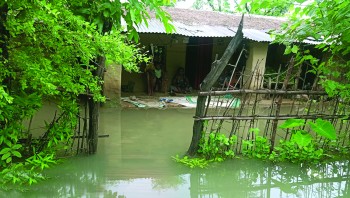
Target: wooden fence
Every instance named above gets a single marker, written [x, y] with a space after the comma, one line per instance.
[255, 104]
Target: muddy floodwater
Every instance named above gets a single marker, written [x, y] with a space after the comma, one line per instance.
[135, 161]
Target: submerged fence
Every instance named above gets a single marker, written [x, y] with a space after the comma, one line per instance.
[254, 101]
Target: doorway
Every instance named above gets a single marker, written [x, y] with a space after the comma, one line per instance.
[198, 59]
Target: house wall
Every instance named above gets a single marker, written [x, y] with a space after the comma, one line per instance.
[175, 57]
[175, 48]
[256, 62]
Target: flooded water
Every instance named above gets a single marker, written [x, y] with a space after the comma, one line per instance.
[135, 161]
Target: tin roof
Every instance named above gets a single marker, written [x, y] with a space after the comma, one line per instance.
[195, 23]
[155, 26]
[212, 18]
[199, 23]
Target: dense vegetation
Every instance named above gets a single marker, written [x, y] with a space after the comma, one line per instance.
[301, 147]
[50, 51]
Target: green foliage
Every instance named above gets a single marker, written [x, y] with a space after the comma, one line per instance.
[49, 50]
[192, 162]
[297, 152]
[290, 123]
[217, 146]
[26, 173]
[323, 128]
[214, 5]
[265, 7]
[107, 14]
[214, 148]
[19, 173]
[259, 147]
[326, 22]
[302, 146]
[301, 139]
[41, 160]
[9, 152]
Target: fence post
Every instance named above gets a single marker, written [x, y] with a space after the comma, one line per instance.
[207, 84]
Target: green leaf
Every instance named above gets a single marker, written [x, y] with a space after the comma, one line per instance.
[5, 156]
[16, 153]
[17, 146]
[106, 13]
[254, 130]
[31, 181]
[7, 142]
[302, 140]
[295, 49]
[15, 179]
[9, 159]
[4, 150]
[291, 123]
[323, 128]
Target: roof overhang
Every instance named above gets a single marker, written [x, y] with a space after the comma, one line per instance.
[155, 26]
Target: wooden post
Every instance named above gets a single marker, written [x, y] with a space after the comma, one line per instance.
[207, 84]
[93, 126]
[94, 108]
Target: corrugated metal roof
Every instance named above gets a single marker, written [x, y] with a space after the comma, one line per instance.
[212, 18]
[155, 26]
[199, 23]
[257, 35]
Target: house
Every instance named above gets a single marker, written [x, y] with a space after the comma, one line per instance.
[200, 38]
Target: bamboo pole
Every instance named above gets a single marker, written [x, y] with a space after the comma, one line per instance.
[279, 103]
[217, 69]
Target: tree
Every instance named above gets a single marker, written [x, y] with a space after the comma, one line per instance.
[260, 7]
[54, 50]
[327, 22]
[215, 5]
[265, 7]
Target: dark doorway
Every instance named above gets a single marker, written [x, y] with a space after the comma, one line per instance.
[198, 59]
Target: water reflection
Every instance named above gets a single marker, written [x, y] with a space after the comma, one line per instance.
[135, 162]
[257, 179]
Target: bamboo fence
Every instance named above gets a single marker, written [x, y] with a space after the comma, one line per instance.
[256, 102]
